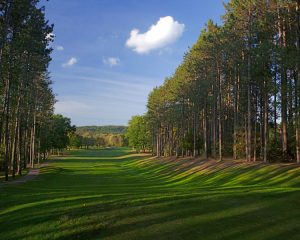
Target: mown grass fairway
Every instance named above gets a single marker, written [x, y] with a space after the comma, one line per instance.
[115, 194]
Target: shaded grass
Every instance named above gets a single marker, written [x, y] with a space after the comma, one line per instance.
[116, 194]
[10, 178]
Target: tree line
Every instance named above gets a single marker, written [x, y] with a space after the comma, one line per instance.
[98, 137]
[107, 129]
[100, 140]
[28, 127]
[237, 92]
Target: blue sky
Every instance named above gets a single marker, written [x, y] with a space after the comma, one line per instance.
[102, 71]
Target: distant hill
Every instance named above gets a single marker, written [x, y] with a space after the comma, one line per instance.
[101, 129]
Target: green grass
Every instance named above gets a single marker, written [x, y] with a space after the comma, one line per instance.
[115, 194]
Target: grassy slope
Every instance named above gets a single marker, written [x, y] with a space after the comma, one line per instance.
[118, 195]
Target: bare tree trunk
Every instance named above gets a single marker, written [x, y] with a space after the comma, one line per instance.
[20, 150]
[282, 42]
[297, 122]
[249, 128]
[220, 114]
[214, 122]
[182, 128]
[14, 148]
[194, 134]
[246, 137]
[284, 115]
[158, 142]
[235, 117]
[266, 120]
[275, 109]
[39, 153]
[33, 150]
[205, 132]
[25, 157]
[255, 129]
[261, 126]
[7, 119]
[16, 133]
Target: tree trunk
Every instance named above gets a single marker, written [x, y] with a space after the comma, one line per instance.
[194, 134]
[220, 114]
[275, 108]
[282, 43]
[261, 126]
[235, 116]
[205, 132]
[158, 142]
[266, 120]
[297, 122]
[249, 127]
[255, 129]
[284, 115]
[214, 121]
[20, 154]
[33, 150]
[7, 119]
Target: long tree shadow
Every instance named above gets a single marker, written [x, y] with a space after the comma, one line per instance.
[133, 196]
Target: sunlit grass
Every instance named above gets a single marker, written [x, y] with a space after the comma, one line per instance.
[116, 194]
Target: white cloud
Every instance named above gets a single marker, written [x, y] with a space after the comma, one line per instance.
[163, 33]
[59, 48]
[70, 63]
[111, 61]
[123, 84]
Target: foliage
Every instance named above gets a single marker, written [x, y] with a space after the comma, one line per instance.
[100, 136]
[60, 131]
[138, 133]
[27, 100]
[237, 86]
[95, 130]
[75, 140]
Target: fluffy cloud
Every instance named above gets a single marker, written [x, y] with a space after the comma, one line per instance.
[164, 32]
[59, 48]
[70, 63]
[111, 61]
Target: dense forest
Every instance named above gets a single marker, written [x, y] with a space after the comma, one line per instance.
[28, 127]
[237, 92]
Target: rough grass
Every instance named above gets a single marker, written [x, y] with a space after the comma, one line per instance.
[115, 194]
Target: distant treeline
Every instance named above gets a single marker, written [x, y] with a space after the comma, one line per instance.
[101, 129]
[98, 136]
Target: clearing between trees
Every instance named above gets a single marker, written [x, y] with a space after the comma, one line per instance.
[117, 194]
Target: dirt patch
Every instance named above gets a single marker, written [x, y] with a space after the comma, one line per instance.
[29, 176]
